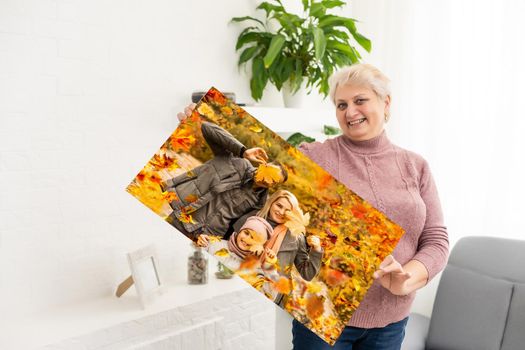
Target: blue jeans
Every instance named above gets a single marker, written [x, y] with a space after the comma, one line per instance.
[389, 337]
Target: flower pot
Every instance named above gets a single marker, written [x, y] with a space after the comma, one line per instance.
[293, 100]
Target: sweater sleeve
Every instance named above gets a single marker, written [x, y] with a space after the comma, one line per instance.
[433, 245]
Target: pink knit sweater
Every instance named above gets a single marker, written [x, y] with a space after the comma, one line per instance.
[398, 183]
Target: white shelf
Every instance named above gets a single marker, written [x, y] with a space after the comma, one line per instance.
[50, 327]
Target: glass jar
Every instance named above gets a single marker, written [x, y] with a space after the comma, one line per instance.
[197, 266]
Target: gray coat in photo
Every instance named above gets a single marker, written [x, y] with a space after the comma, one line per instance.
[223, 187]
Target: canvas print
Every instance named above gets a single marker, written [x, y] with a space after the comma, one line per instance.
[267, 212]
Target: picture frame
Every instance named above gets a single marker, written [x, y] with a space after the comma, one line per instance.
[145, 273]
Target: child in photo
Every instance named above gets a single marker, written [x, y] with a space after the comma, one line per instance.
[248, 241]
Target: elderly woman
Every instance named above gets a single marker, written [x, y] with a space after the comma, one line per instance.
[397, 182]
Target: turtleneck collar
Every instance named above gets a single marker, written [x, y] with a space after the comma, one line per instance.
[371, 146]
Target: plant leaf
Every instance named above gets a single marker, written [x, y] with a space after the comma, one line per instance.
[269, 8]
[298, 75]
[246, 18]
[344, 48]
[259, 78]
[248, 54]
[246, 38]
[361, 40]
[297, 138]
[319, 43]
[305, 4]
[317, 10]
[333, 3]
[331, 130]
[275, 48]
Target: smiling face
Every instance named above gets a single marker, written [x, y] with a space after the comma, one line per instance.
[248, 240]
[278, 210]
[360, 112]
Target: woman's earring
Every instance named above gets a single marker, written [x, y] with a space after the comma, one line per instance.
[386, 117]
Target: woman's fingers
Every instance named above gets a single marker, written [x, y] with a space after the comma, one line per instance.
[400, 275]
[189, 109]
[187, 112]
[378, 274]
[388, 260]
[394, 267]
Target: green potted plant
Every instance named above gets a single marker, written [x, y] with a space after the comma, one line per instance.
[303, 50]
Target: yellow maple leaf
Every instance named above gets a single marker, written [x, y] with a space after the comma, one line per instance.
[268, 173]
[255, 128]
[296, 221]
[207, 111]
[182, 139]
[223, 253]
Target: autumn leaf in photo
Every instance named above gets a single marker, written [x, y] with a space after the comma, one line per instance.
[268, 173]
[222, 253]
[182, 139]
[283, 285]
[297, 221]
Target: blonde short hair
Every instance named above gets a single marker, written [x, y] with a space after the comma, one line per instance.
[361, 74]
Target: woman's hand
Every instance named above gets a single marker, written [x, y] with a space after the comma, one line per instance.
[187, 112]
[393, 277]
[256, 154]
[203, 241]
[314, 242]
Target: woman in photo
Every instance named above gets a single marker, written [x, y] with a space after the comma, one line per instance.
[291, 248]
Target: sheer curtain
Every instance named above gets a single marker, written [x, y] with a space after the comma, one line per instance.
[458, 99]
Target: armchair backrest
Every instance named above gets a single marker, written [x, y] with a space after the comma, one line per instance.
[480, 301]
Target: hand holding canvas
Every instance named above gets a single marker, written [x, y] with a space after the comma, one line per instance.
[401, 279]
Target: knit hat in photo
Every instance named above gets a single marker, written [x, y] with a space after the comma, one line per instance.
[259, 225]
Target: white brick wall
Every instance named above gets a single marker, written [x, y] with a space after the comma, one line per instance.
[238, 320]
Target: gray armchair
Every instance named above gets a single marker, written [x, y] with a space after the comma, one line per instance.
[480, 301]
